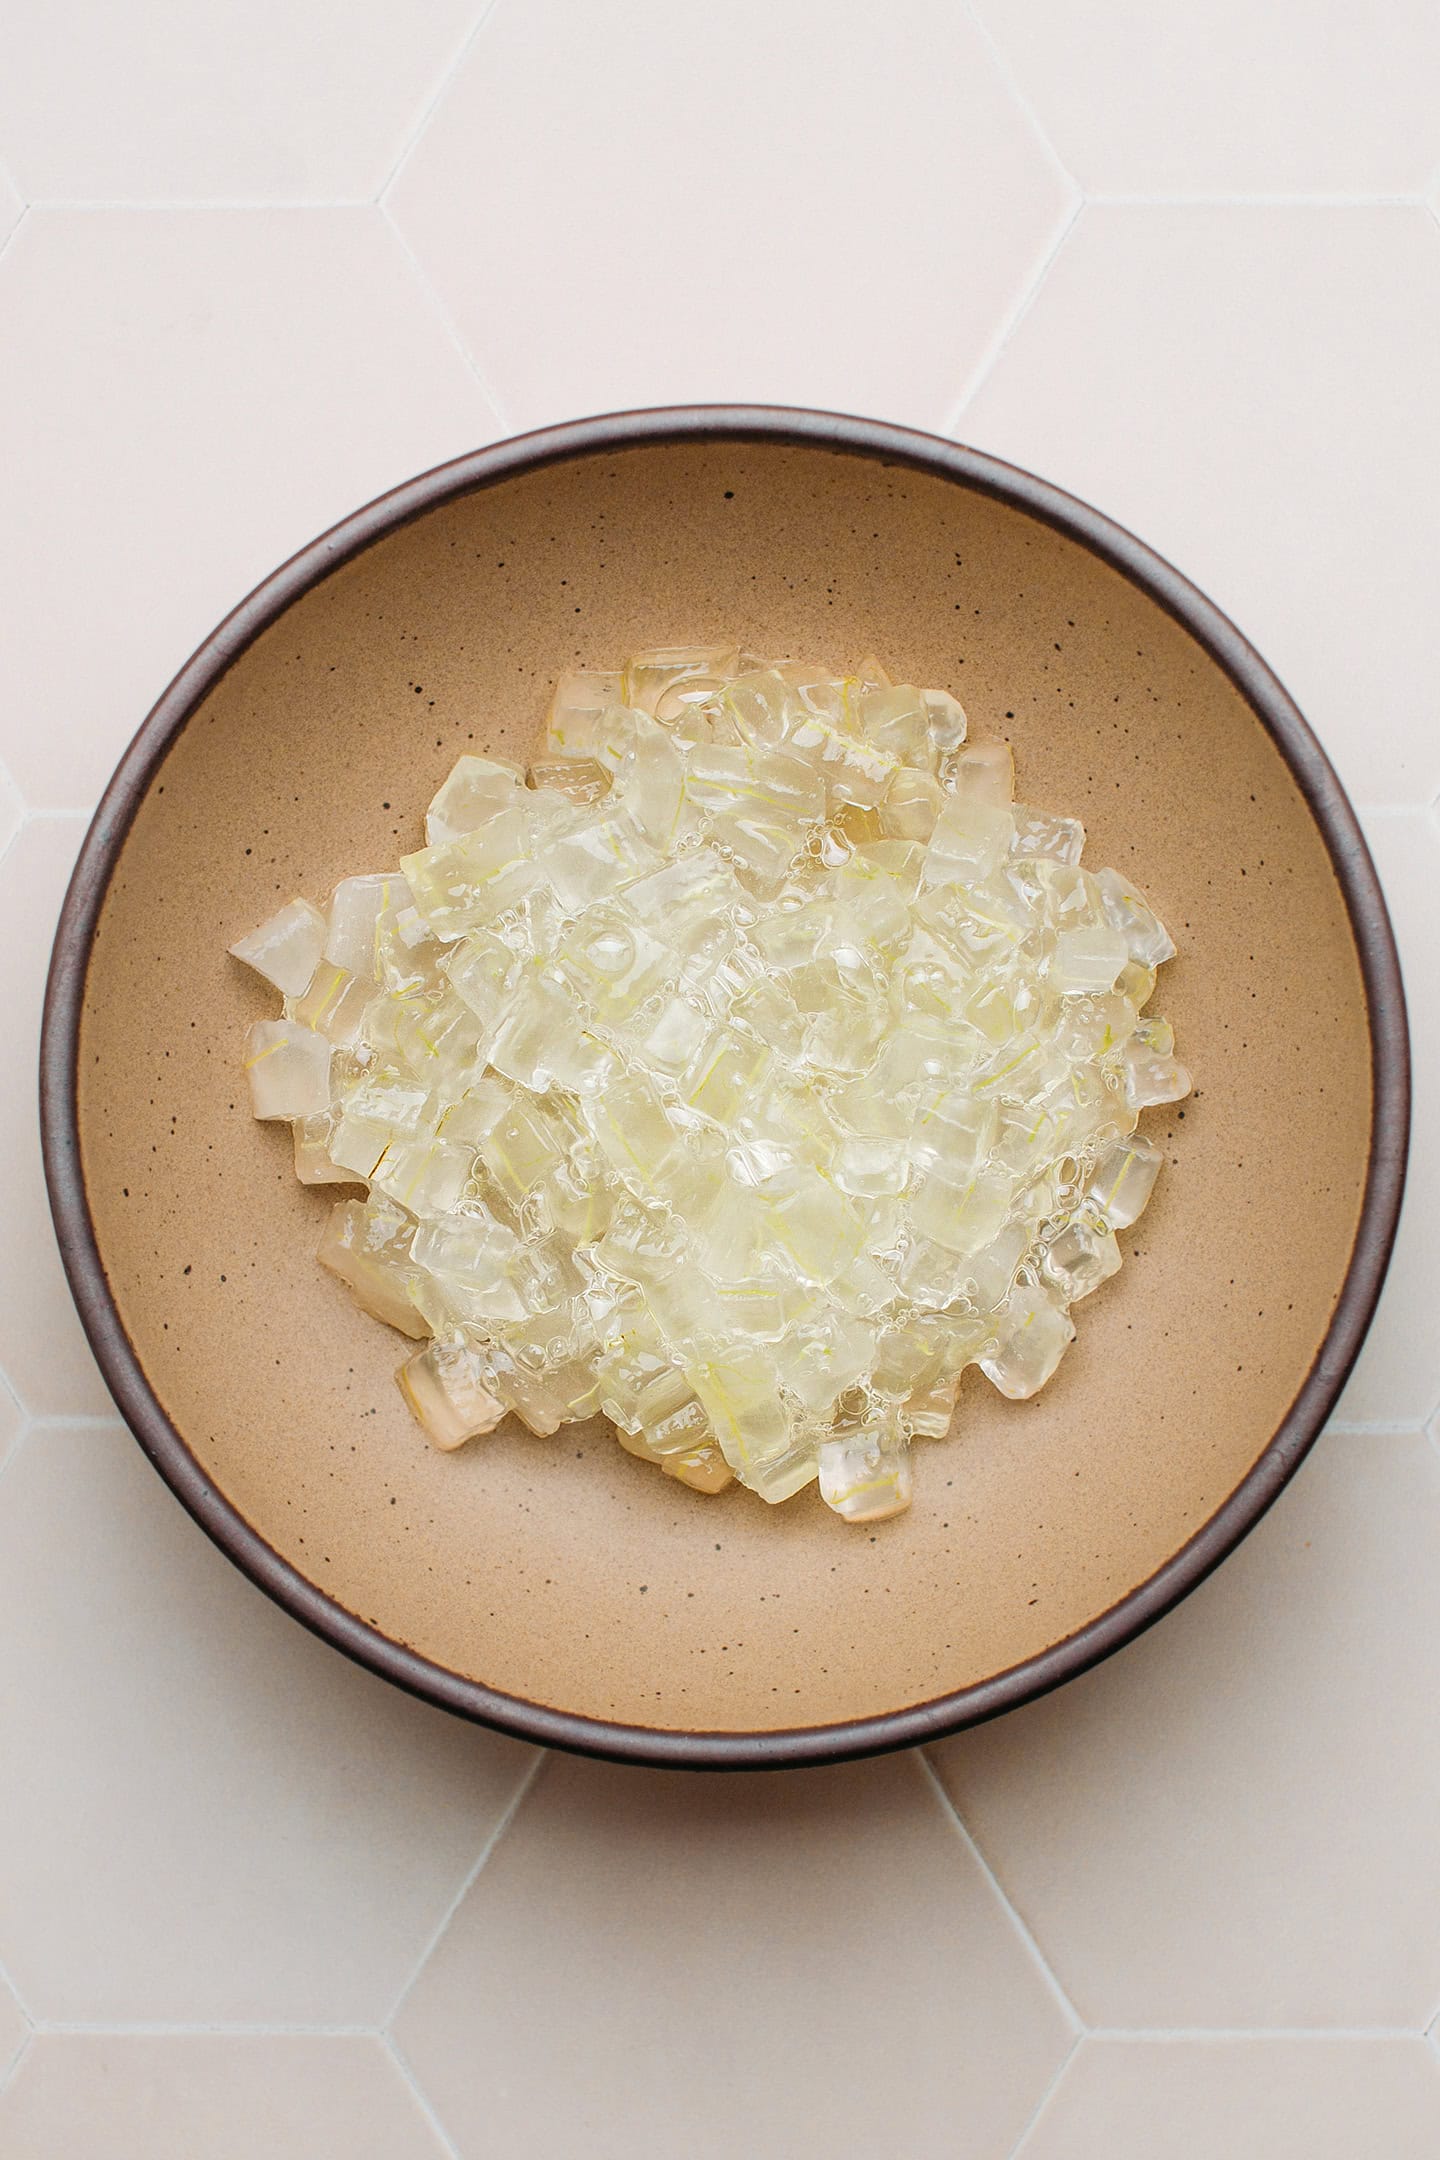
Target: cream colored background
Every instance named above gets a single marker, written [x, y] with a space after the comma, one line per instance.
[258, 262]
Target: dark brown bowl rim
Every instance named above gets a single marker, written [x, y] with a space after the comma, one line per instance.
[919, 1722]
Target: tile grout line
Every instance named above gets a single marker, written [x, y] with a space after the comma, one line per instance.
[84, 206]
[446, 320]
[962, 1830]
[1032, 2120]
[1000, 339]
[82, 1420]
[7, 2077]
[1190, 2035]
[412, 140]
[5, 246]
[422, 2099]
[1011, 82]
[1106, 200]
[507, 1816]
[219, 2029]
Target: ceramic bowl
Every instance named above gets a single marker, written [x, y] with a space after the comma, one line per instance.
[560, 1589]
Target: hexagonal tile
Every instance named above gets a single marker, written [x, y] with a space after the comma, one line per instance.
[203, 2097]
[1231, 1824]
[14, 2031]
[780, 1964]
[670, 205]
[1250, 2099]
[1251, 391]
[1397, 1377]
[206, 1816]
[1229, 99]
[190, 396]
[282, 100]
[42, 1349]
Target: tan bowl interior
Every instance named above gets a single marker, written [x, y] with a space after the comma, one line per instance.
[562, 1571]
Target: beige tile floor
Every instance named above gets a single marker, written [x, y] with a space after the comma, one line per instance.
[256, 263]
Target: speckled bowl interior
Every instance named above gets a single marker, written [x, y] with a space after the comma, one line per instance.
[559, 1586]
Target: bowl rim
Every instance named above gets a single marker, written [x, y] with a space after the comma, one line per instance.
[915, 1723]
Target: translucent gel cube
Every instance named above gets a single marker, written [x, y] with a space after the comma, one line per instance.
[954, 1130]
[286, 950]
[692, 709]
[685, 902]
[614, 963]
[983, 772]
[651, 785]
[869, 1168]
[521, 1148]
[1095, 1029]
[579, 780]
[962, 1214]
[824, 1357]
[780, 1477]
[444, 1389]
[766, 1012]
[1079, 1257]
[313, 1162]
[648, 675]
[382, 1105]
[671, 1419]
[750, 781]
[704, 1469]
[583, 701]
[740, 1393]
[630, 1127]
[897, 719]
[723, 1073]
[481, 969]
[434, 1037]
[542, 1043]
[1034, 1333]
[1151, 1077]
[288, 1067]
[671, 1037]
[465, 884]
[597, 859]
[1059, 839]
[476, 789]
[477, 1264]
[811, 1227]
[1123, 1180]
[946, 717]
[367, 1245]
[333, 1003]
[865, 1288]
[930, 1412]
[758, 704]
[429, 1177]
[1069, 894]
[756, 1308]
[1130, 914]
[867, 1478]
[989, 1275]
[1086, 961]
[358, 906]
[761, 846]
[856, 772]
[535, 1402]
[911, 806]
